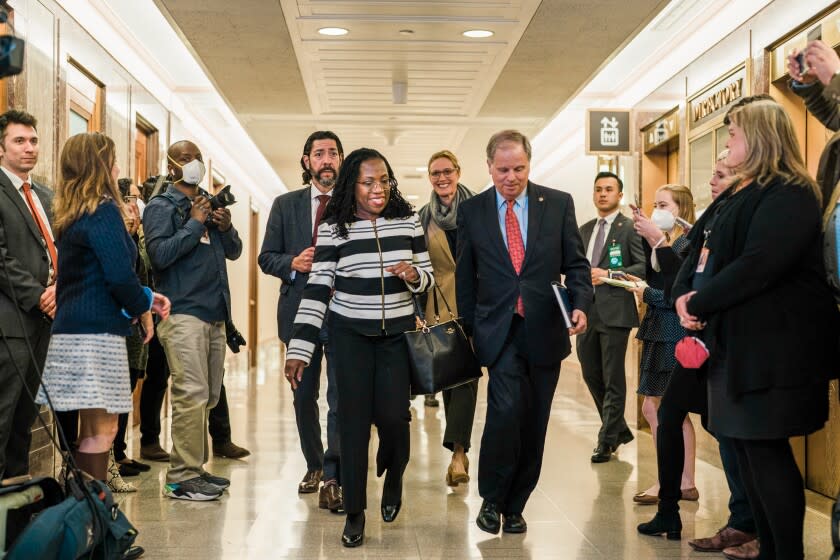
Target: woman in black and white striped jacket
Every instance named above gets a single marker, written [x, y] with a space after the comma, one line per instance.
[369, 259]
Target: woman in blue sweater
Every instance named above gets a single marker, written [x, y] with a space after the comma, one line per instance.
[98, 297]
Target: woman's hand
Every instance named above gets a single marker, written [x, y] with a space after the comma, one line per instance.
[161, 305]
[294, 371]
[687, 320]
[647, 229]
[148, 326]
[794, 72]
[405, 271]
[822, 60]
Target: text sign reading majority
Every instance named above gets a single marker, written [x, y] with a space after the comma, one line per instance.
[716, 99]
[607, 131]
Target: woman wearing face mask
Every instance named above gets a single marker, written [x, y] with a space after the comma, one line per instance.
[370, 258]
[772, 349]
[660, 329]
[438, 219]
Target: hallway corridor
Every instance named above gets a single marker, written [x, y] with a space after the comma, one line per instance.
[579, 510]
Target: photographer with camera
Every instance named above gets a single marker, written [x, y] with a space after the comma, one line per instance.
[188, 237]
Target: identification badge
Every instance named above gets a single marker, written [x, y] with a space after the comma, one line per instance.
[701, 262]
[615, 256]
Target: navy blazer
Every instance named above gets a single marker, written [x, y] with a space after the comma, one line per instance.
[287, 234]
[24, 257]
[616, 306]
[487, 286]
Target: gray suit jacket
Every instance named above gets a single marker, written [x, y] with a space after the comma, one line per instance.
[617, 306]
[24, 257]
[287, 234]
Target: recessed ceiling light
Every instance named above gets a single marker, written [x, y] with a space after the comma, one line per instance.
[477, 33]
[333, 31]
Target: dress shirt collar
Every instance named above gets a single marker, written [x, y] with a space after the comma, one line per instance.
[520, 200]
[610, 218]
[314, 193]
[17, 182]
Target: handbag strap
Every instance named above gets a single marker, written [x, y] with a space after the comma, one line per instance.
[435, 292]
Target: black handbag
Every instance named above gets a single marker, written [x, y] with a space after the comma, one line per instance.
[441, 355]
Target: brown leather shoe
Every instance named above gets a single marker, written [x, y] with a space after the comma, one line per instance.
[230, 450]
[645, 499]
[154, 452]
[726, 537]
[332, 498]
[311, 481]
[746, 551]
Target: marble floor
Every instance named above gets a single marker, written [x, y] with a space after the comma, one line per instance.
[579, 510]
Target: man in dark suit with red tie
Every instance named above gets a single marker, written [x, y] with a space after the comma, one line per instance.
[287, 252]
[513, 241]
[28, 265]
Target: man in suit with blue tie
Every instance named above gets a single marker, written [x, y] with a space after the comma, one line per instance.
[28, 266]
[611, 245]
[513, 241]
[287, 252]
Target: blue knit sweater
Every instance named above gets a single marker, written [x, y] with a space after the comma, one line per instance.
[96, 277]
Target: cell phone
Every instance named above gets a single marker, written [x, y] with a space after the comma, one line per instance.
[617, 275]
[814, 34]
[685, 224]
[130, 199]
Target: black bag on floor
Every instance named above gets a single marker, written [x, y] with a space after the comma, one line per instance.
[441, 355]
[71, 530]
[20, 503]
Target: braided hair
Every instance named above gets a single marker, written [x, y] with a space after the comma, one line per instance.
[341, 209]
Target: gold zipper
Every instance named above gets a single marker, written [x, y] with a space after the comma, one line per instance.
[381, 272]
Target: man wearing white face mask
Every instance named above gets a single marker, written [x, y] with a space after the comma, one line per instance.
[188, 243]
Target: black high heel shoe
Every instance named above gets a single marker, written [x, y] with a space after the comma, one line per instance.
[391, 497]
[354, 530]
[668, 524]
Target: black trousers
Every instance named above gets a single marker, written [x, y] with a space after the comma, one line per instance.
[307, 413]
[459, 406]
[601, 351]
[373, 381]
[122, 419]
[17, 409]
[519, 399]
[774, 486]
[151, 396]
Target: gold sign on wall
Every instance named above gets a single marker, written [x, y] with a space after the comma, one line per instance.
[717, 98]
[662, 130]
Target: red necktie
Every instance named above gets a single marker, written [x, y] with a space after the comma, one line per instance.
[516, 247]
[319, 213]
[42, 227]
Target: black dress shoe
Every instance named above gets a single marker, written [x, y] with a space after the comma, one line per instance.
[668, 524]
[133, 552]
[127, 470]
[602, 453]
[488, 518]
[354, 530]
[514, 523]
[389, 513]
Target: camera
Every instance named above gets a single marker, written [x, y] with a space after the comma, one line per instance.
[234, 337]
[221, 199]
[11, 48]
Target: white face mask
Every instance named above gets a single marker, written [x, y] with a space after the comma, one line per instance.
[191, 173]
[141, 206]
[663, 219]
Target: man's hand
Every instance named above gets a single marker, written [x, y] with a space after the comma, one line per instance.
[822, 61]
[794, 71]
[294, 372]
[47, 303]
[597, 274]
[200, 209]
[405, 271]
[578, 322]
[303, 262]
[161, 305]
[148, 326]
[221, 218]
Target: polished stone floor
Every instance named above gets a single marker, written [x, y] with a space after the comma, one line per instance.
[579, 510]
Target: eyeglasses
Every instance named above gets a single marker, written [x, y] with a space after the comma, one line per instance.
[385, 185]
[445, 172]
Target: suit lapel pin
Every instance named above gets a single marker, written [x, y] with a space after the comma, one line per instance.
[540, 199]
